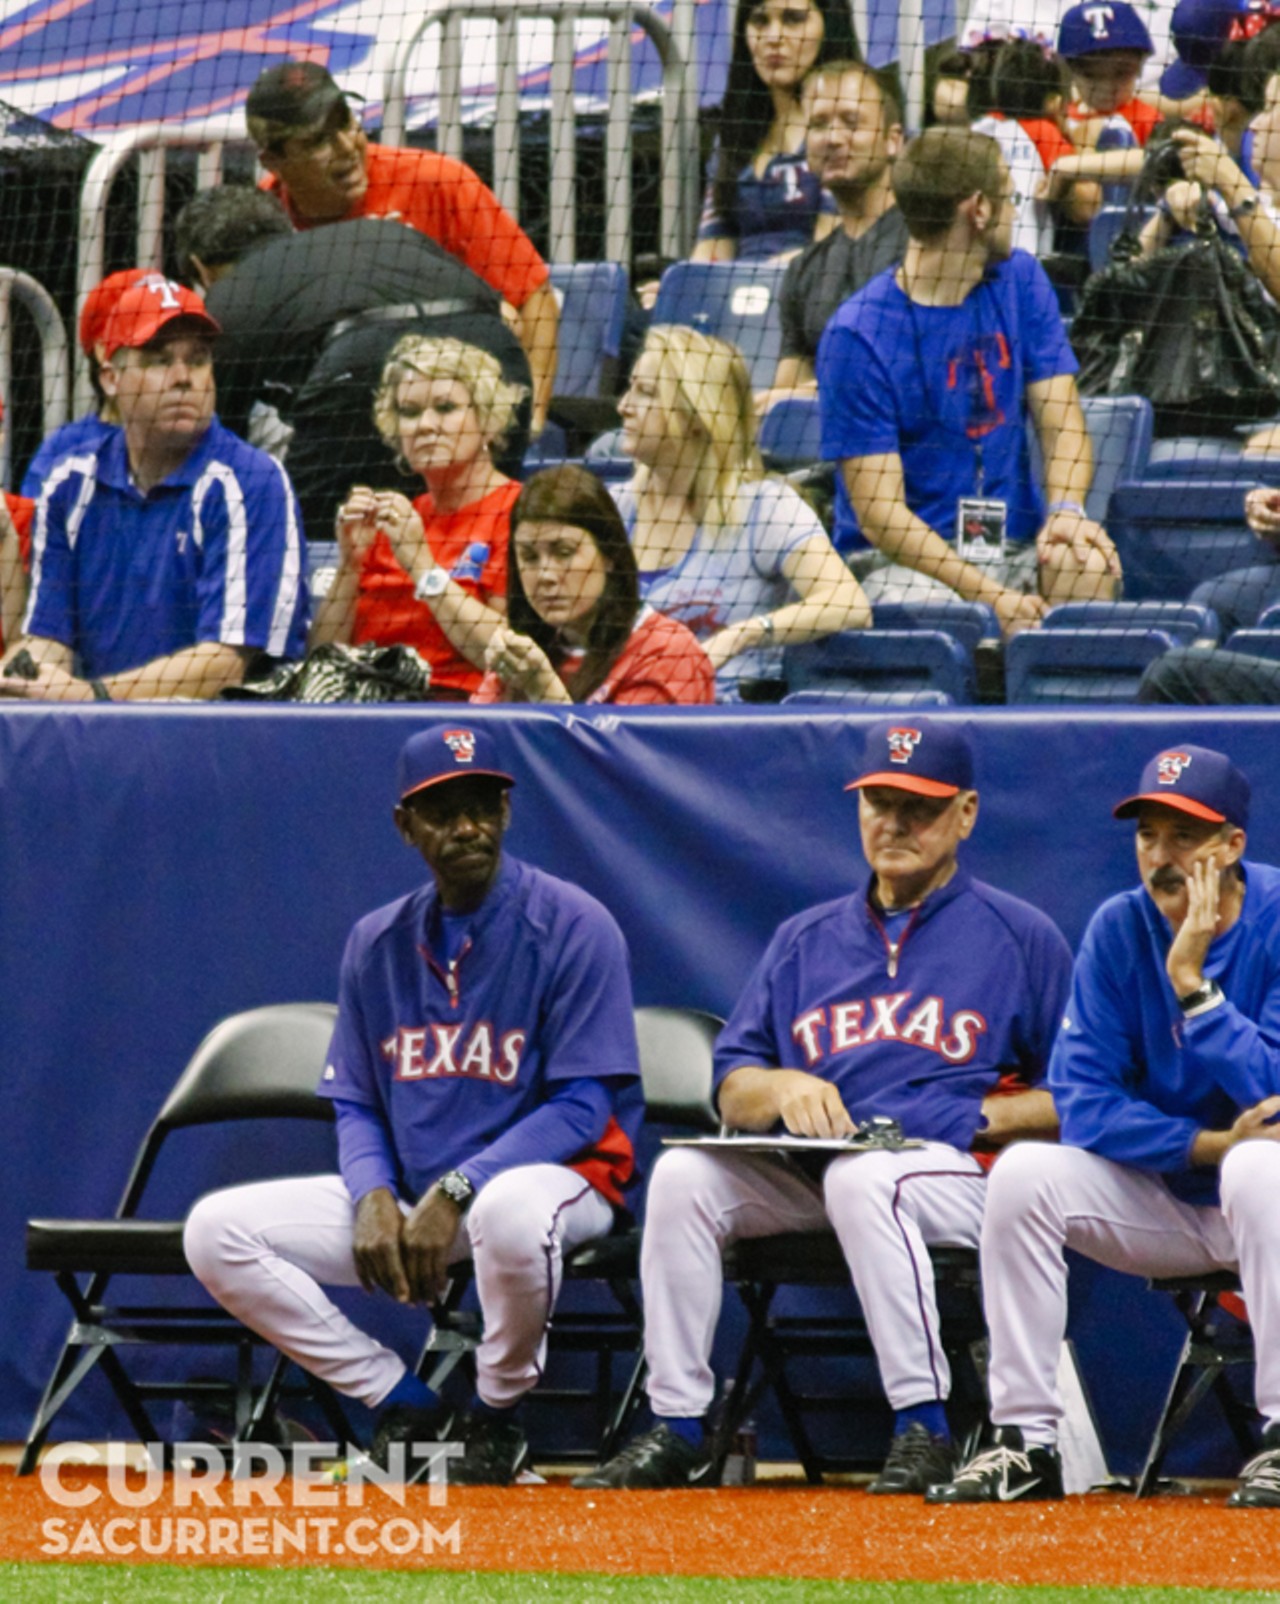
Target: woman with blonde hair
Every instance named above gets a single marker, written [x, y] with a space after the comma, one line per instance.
[432, 573]
[739, 557]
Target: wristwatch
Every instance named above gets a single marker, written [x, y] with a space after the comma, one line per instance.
[1245, 208]
[1201, 1000]
[432, 583]
[457, 1188]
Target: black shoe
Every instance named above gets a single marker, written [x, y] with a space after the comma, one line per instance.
[1260, 1479]
[494, 1454]
[1003, 1474]
[659, 1458]
[407, 1425]
[917, 1461]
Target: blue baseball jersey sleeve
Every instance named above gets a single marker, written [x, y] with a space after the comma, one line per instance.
[1132, 1078]
[213, 553]
[920, 1030]
[451, 1060]
[944, 388]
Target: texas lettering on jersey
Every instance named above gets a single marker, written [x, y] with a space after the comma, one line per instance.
[823, 1032]
[428, 1052]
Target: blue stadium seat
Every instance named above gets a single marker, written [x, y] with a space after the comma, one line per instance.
[1260, 642]
[593, 311]
[1269, 618]
[965, 621]
[1173, 533]
[1187, 622]
[847, 697]
[605, 457]
[549, 450]
[738, 301]
[884, 660]
[1080, 665]
[1120, 432]
[791, 434]
[1193, 457]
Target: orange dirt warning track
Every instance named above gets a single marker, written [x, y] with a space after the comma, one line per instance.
[832, 1532]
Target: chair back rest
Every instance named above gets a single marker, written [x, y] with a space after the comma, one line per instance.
[1189, 623]
[885, 659]
[1080, 665]
[262, 1064]
[592, 297]
[676, 1046]
[968, 622]
[847, 696]
[735, 301]
[791, 433]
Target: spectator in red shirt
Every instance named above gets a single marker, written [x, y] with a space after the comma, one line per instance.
[325, 170]
[432, 573]
[578, 631]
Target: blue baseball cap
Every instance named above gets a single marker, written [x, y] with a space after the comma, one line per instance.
[1200, 28]
[1179, 80]
[448, 752]
[916, 754]
[1195, 780]
[1085, 30]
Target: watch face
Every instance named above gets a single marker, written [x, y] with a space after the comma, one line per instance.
[433, 582]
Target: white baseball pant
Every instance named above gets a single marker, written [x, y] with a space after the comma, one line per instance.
[886, 1209]
[265, 1252]
[1043, 1199]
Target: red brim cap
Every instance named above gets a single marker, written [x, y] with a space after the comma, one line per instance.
[457, 774]
[905, 782]
[1167, 799]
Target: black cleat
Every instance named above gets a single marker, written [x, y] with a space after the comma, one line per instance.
[1260, 1479]
[495, 1453]
[1005, 1473]
[917, 1461]
[407, 1425]
[658, 1458]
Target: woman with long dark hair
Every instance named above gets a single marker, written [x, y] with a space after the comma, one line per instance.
[576, 628]
[763, 201]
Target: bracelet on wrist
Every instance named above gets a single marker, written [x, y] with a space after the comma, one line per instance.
[1066, 506]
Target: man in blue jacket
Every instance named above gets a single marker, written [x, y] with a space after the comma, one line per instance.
[1165, 1075]
[923, 996]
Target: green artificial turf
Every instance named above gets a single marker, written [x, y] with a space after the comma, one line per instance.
[167, 1584]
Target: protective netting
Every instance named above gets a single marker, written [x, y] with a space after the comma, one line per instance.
[807, 401]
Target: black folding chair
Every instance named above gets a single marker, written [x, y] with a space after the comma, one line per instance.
[675, 1065]
[1215, 1341]
[262, 1064]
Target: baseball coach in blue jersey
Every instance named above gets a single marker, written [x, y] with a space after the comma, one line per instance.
[169, 554]
[1166, 1074]
[924, 996]
[484, 1074]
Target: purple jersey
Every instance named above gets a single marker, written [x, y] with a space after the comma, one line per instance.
[450, 1058]
[919, 1030]
[1135, 1081]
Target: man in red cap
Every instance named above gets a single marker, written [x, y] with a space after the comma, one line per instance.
[922, 997]
[1166, 1076]
[325, 170]
[170, 554]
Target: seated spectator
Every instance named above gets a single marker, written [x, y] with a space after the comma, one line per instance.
[16, 513]
[926, 380]
[309, 321]
[854, 123]
[88, 432]
[1241, 595]
[431, 574]
[741, 559]
[577, 630]
[325, 171]
[763, 201]
[1026, 121]
[171, 555]
[1211, 676]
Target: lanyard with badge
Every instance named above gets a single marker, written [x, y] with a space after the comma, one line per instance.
[982, 522]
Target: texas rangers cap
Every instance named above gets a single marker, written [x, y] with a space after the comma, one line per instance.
[147, 307]
[448, 752]
[916, 754]
[1200, 28]
[1085, 30]
[1194, 780]
[294, 95]
[100, 303]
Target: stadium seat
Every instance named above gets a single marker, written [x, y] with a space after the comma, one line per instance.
[965, 621]
[260, 1065]
[593, 311]
[1216, 1339]
[848, 697]
[1188, 623]
[605, 457]
[1080, 665]
[1259, 642]
[1196, 457]
[878, 660]
[737, 301]
[791, 434]
[1269, 618]
[1173, 533]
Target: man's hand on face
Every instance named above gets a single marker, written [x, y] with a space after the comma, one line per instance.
[1185, 962]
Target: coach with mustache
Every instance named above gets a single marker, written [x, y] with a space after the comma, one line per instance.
[1166, 1077]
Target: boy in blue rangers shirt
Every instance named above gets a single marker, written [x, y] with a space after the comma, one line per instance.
[1167, 1076]
[167, 556]
[925, 996]
[484, 1038]
[925, 381]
